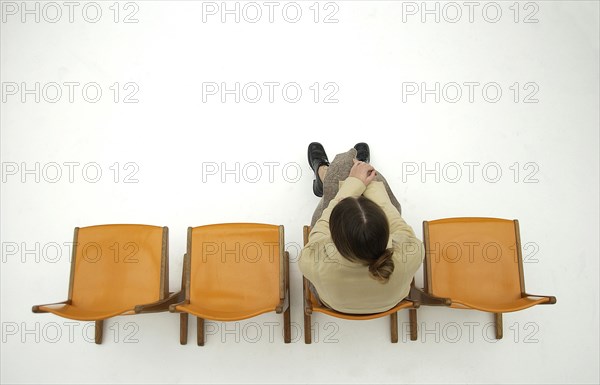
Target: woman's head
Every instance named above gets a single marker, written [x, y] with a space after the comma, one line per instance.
[360, 232]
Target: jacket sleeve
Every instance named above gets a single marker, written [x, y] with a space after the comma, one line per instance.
[400, 232]
[351, 187]
[319, 240]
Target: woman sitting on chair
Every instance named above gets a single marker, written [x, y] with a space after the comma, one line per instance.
[361, 256]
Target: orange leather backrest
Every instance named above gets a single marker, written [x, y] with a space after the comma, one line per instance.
[473, 259]
[236, 267]
[117, 266]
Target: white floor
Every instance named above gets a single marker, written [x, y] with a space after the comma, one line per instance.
[182, 157]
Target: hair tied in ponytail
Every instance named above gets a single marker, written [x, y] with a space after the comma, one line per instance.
[382, 267]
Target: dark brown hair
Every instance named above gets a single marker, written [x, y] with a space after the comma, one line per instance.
[360, 232]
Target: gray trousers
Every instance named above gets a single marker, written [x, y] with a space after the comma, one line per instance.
[339, 169]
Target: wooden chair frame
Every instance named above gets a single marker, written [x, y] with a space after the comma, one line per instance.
[282, 307]
[428, 299]
[165, 298]
[311, 306]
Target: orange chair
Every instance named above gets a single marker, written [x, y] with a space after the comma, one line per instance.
[115, 270]
[312, 304]
[476, 263]
[233, 272]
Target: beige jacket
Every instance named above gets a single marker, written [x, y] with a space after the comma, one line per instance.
[347, 286]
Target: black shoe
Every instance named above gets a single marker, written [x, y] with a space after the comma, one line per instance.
[362, 152]
[317, 158]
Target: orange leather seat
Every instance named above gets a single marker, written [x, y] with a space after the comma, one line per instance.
[476, 263]
[312, 304]
[232, 272]
[115, 270]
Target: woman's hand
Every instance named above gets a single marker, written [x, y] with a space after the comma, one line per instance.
[363, 171]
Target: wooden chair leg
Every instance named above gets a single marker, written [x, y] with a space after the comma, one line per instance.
[412, 319]
[394, 327]
[307, 304]
[499, 327]
[287, 319]
[307, 329]
[183, 328]
[200, 331]
[98, 331]
[287, 326]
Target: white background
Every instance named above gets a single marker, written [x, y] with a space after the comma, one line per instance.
[173, 140]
